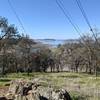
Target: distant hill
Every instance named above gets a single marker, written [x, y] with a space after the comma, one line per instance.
[56, 42]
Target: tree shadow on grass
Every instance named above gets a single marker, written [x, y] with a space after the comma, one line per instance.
[70, 76]
[5, 80]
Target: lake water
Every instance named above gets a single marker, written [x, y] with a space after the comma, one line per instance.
[51, 42]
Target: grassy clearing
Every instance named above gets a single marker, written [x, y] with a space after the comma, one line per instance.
[81, 86]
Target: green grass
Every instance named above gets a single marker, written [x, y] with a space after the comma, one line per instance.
[80, 85]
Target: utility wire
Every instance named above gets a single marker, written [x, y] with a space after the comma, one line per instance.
[85, 17]
[83, 13]
[69, 18]
[67, 15]
[61, 6]
[19, 20]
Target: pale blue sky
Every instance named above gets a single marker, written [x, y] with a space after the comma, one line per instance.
[44, 19]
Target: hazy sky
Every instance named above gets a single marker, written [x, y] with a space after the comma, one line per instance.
[44, 19]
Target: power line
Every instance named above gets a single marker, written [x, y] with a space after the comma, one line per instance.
[19, 20]
[67, 15]
[70, 16]
[86, 18]
[84, 14]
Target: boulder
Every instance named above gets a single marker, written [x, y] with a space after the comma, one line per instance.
[3, 98]
[33, 96]
[20, 87]
[29, 90]
[60, 95]
[20, 97]
[10, 96]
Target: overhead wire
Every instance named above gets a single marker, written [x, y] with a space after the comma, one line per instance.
[79, 4]
[83, 13]
[85, 16]
[67, 15]
[18, 18]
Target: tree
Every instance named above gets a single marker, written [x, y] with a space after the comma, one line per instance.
[9, 35]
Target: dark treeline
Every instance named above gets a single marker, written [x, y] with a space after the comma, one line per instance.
[19, 53]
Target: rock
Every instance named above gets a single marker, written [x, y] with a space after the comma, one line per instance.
[20, 87]
[27, 87]
[33, 96]
[20, 97]
[28, 90]
[3, 98]
[43, 98]
[13, 87]
[45, 92]
[51, 94]
[10, 96]
[61, 95]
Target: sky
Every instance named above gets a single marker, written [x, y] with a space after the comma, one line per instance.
[43, 19]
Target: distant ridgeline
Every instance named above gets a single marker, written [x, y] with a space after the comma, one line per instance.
[56, 42]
